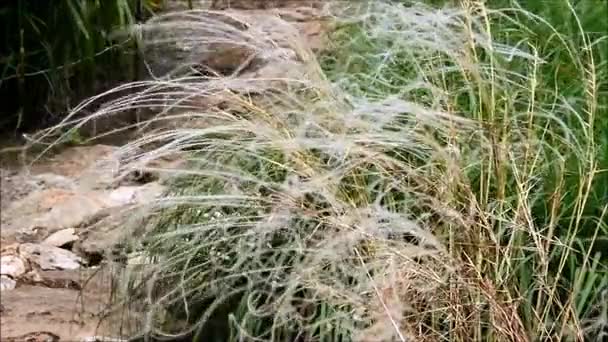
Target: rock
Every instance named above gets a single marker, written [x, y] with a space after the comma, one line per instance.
[54, 214]
[50, 180]
[61, 238]
[12, 266]
[226, 43]
[7, 283]
[13, 187]
[69, 279]
[31, 277]
[136, 194]
[207, 41]
[58, 202]
[17, 185]
[49, 257]
[99, 239]
[43, 213]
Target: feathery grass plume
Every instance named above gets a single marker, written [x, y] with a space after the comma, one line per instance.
[416, 193]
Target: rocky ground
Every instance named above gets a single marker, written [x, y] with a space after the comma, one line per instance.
[55, 261]
[58, 262]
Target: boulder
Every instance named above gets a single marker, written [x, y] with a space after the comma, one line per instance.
[12, 266]
[43, 213]
[49, 257]
[17, 185]
[228, 42]
[99, 238]
[140, 195]
[209, 42]
[61, 237]
[51, 180]
[13, 187]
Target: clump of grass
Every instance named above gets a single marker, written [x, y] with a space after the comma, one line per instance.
[427, 184]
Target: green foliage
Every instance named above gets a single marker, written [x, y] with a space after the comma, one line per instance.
[561, 100]
[55, 53]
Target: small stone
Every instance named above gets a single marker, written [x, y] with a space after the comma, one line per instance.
[61, 237]
[7, 283]
[12, 266]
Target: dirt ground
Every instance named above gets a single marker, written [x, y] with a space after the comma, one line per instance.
[70, 305]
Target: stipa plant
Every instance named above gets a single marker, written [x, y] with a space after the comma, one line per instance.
[396, 204]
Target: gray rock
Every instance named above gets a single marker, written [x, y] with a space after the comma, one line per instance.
[61, 237]
[120, 224]
[12, 266]
[51, 210]
[14, 186]
[135, 194]
[49, 257]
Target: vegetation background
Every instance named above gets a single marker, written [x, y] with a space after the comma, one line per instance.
[55, 54]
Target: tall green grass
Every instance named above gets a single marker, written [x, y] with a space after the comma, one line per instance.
[56, 53]
[439, 175]
[540, 93]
